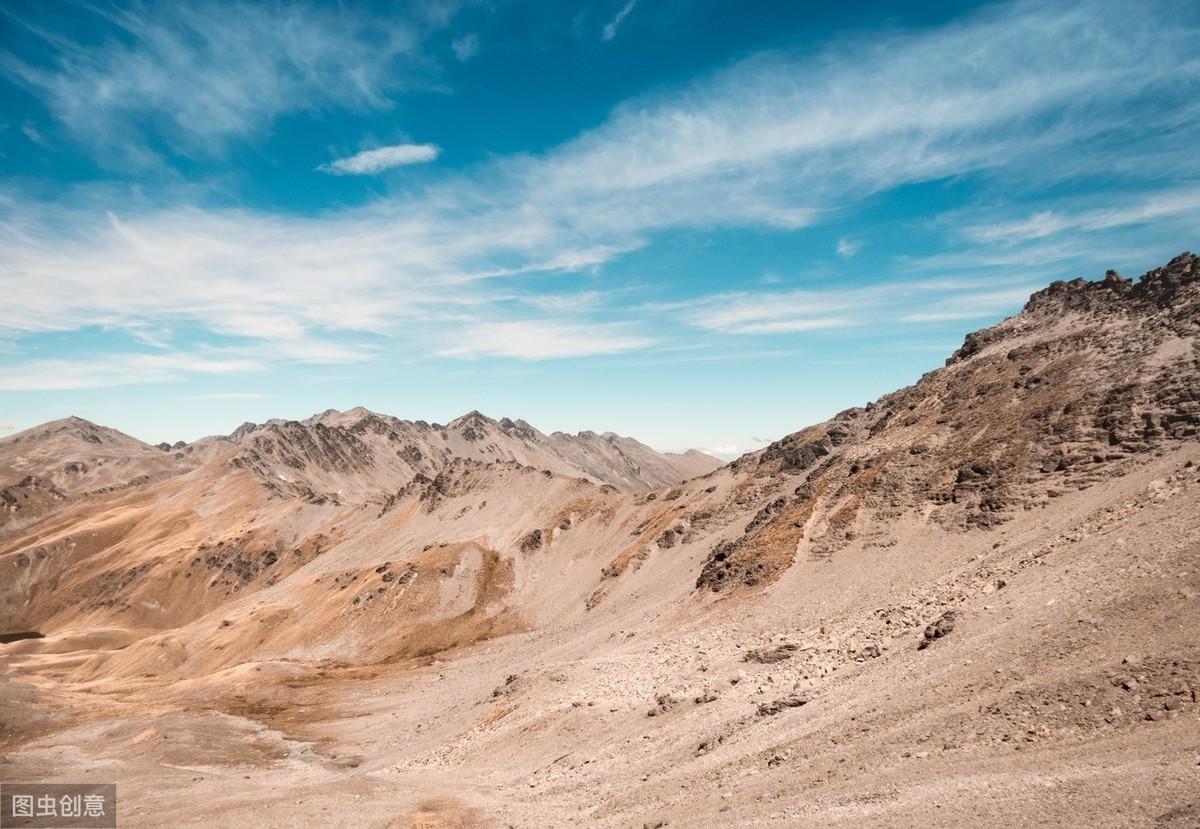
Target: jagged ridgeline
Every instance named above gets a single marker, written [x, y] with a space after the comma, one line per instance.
[359, 452]
[1081, 385]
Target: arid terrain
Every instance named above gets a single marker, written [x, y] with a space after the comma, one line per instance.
[972, 602]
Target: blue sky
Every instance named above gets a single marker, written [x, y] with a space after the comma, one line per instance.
[698, 223]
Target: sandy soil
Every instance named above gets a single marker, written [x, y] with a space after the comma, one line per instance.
[1064, 697]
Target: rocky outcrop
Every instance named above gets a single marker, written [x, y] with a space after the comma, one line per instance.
[1086, 379]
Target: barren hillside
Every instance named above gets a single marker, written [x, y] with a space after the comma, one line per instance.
[969, 602]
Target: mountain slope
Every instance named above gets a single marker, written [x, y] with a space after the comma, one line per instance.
[1088, 380]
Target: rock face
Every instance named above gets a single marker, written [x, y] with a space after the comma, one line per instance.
[1087, 379]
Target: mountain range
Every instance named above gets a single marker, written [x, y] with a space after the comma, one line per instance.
[969, 601]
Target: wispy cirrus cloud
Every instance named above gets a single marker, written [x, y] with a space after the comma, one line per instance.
[465, 47]
[542, 340]
[1136, 208]
[198, 77]
[369, 162]
[830, 308]
[954, 100]
[847, 247]
[973, 305]
[773, 312]
[227, 395]
[778, 142]
[115, 370]
[612, 26]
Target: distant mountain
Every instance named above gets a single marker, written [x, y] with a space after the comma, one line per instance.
[331, 457]
[40, 468]
[339, 455]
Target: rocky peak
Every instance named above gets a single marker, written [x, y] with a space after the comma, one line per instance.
[1027, 410]
[84, 429]
[1159, 288]
[1174, 289]
[472, 418]
[72, 428]
[243, 430]
[473, 425]
[518, 429]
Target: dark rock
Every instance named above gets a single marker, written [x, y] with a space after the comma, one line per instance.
[662, 704]
[770, 655]
[940, 627]
[770, 709]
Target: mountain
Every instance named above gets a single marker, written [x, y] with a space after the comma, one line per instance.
[330, 457]
[44, 466]
[360, 451]
[968, 602]
[1082, 386]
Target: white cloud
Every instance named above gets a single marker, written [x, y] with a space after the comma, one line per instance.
[610, 28]
[115, 370]
[847, 247]
[579, 302]
[789, 312]
[200, 78]
[542, 340]
[5, 426]
[775, 312]
[796, 326]
[974, 305]
[735, 449]
[725, 451]
[1044, 257]
[1138, 209]
[465, 47]
[31, 132]
[369, 162]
